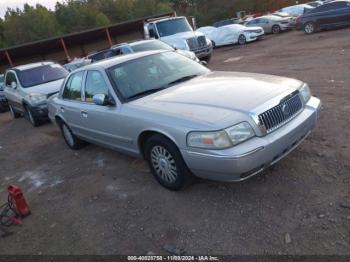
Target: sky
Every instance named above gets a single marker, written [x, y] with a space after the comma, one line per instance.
[19, 3]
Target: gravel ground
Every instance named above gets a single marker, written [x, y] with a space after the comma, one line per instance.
[96, 201]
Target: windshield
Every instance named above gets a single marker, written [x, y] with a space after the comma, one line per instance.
[152, 45]
[139, 77]
[173, 26]
[41, 75]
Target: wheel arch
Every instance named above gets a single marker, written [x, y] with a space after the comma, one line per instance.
[146, 134]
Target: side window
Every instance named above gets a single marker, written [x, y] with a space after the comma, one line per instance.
[72, 90]
[10, 77]
[95, 84]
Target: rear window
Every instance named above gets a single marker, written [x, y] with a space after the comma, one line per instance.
[41, 75]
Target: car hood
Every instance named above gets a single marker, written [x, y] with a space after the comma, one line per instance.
[183, 35]
[217, 96]
[47, 88]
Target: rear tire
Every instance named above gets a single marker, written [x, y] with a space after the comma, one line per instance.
[167, 164]
[276, 29]
[310, 28]
[242, 40]
[71, 140]
[32, 119]
[13, 112]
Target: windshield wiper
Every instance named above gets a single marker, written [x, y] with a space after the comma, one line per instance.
[146, 92]
[182, 79]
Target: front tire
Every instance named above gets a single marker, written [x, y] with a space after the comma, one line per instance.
[276, 29]
[167, 164]
[309, 28]
[71, 140]
[207, 58]
[30, 116]
[242, 40]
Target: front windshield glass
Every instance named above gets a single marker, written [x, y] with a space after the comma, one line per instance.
[152, 45]
[41, 75]
[142, 76]
[173, 26]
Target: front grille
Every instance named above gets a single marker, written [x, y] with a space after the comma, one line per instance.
[282, 113]
[201, 41]
[192, 43]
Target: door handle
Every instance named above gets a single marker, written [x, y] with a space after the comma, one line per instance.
[84, 113]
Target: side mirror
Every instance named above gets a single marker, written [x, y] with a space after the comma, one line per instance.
[13, 85]
[103, 100]
[151, 33]
[100, 99]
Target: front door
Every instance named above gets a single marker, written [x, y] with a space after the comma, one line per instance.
[13, 94]
[103, 124]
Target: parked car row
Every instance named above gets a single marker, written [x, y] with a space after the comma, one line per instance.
[3, 100]
[330, 15]
[184, 119]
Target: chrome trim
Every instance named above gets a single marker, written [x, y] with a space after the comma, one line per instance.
[274, 116]
[227, 157]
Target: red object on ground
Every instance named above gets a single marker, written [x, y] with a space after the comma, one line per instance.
[16, 195]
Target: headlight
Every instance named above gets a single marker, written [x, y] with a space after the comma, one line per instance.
[37, 98]
[209, 43]
[221, 139]
[240, 133]
[305, 92]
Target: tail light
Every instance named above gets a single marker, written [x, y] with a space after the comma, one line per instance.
[298, 19]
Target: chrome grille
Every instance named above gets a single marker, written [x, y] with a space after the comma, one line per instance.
[282, 113]
[192, 43]
[202, 41]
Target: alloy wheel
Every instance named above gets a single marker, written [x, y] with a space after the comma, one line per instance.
[241, 40]
[309, 28]
[164, 164]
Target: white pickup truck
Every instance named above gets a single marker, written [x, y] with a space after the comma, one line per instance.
[177, 32]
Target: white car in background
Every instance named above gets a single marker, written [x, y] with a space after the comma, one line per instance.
[231, 34]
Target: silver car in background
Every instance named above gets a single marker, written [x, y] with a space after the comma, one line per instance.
[184, 119]
[272, 23]
[27, 88]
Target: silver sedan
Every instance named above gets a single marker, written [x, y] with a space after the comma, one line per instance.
[184, 119]
[272, 23]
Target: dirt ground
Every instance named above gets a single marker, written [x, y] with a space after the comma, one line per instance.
[96, 201]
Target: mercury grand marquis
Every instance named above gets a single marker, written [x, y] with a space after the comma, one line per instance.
[184, 119]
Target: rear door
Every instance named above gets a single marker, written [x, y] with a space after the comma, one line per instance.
[332, 14]
[13, 95]
[71, 103]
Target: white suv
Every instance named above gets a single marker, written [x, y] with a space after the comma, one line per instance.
[28, 87]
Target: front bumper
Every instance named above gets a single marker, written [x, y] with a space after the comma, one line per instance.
[253, 156]
[40, 111]
[204, 52]
[254, 36]
[287, 27]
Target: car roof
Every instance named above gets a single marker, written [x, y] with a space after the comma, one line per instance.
[109, 62]
[136, 42]
[166, 19]
[31, 66]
